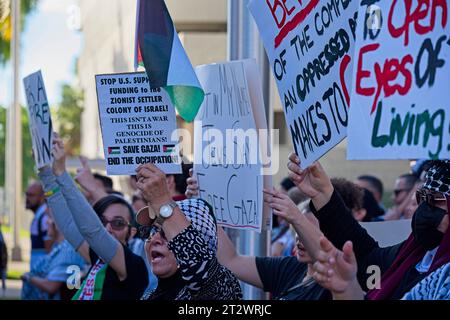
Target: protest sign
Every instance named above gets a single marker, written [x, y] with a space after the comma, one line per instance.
[40, 121]
[310, 48]
[138, 124]
[388, 233]
[227, 149]
[268, 143]
[400, 95]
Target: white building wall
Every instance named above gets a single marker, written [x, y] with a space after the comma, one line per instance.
[109, 35]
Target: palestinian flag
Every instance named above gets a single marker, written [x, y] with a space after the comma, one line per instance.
[159, 50]
[167, 148]
[113, 150]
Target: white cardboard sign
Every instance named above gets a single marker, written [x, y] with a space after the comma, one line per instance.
[310, 46]
[400, 96]
[138, 124]
[227, 155]
[40, 121]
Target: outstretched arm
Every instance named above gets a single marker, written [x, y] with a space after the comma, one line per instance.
[312, 181]
[336, 220]
[62, 213]
[153, 185]
[244, 267]
[197, 260]
[89, 225]
[284, 207]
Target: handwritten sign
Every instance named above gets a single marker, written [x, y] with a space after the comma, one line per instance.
[226, 147]
[310, 46]
[40, 121]
[138, 124]
[400, 96]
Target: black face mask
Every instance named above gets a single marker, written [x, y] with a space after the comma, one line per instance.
[424, 225]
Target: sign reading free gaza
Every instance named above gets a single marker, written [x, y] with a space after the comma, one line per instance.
[40, 121]
[227, 146]
[138, 124]
[401, 91]
[310, 46]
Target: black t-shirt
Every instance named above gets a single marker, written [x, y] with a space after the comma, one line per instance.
[133, 287]
[283, 276]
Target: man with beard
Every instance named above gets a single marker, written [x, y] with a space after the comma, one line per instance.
[40, 242]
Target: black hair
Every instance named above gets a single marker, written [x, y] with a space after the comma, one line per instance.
[287, 184]
[421, 166]
[180, 179]
[101, 205]
[374, 182]
[106, 181]
[373, 210]
[410, 180]
[351, 194]
[117, 193]
[136, 197]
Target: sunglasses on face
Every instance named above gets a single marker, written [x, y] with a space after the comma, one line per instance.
[149, 232]
[117, 224]
[429, 197]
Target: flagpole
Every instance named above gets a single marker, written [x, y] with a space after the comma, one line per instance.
[244, 42]
[136, 39]
[14, 155]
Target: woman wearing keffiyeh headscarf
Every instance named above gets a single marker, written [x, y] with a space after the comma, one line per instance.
[181, 244]
[402, 266]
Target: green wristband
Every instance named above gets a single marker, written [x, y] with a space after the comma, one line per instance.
[52, 192]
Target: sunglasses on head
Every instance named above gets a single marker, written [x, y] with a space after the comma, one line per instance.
[117, 224]
[148, 232]
[431, 198]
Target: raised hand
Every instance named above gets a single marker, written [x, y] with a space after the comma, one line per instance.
[59, 155]
[153, 184]
[281, 205]
[312, 181]
[336, 270]
[85, 177]
[192, 189]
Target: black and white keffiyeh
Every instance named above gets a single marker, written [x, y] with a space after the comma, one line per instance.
[200, 276]
[438, 177]
[202, 218]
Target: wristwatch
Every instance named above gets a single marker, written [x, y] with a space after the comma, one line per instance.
[165, 211]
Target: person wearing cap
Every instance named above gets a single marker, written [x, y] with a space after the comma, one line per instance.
[181, 244]
[99, 235]
[401, 266]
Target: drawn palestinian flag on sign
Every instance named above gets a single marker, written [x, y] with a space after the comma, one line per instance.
[113, 150]
[167, 148]
[159, 50]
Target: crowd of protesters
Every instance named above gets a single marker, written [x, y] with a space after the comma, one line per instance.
[165, 243]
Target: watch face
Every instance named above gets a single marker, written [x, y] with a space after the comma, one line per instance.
[165, 211]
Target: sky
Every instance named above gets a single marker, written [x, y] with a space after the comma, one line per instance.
[49, 43]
